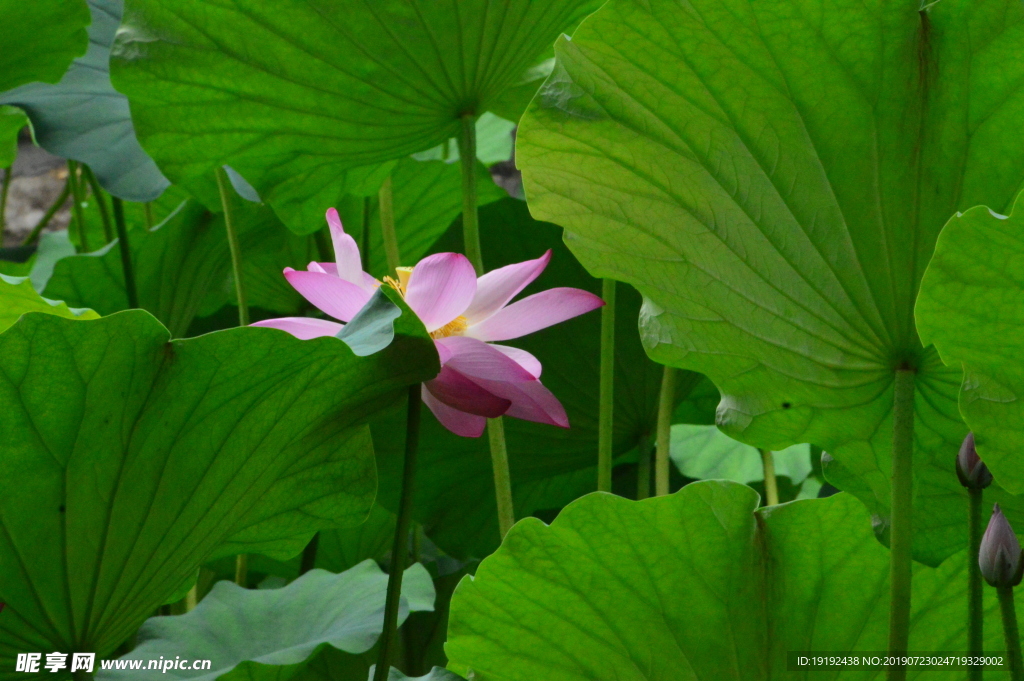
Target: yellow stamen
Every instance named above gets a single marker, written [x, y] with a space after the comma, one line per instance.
[453, 328]
[402, 283]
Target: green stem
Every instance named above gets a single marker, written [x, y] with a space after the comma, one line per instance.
[76, 193]
[901, 526]
[50, 212]
[401, 544]
[1010, 633]
[108, 228]
[242, 570]
[309, 555]
[771, 485]
[470, 217]
[3, 196]
[643, 468]
[126, 255]
[365, 250]
[147, 209]
[387, 226]
[666, 403]
[192, 598]
[975, 616]
[502, 477]
[606, 403]
[236, 252]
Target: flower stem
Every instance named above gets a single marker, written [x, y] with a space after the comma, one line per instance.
[242, 570]
[1010, 633]
[643, 468]
[502, 477]
[606, 404]
[666, 403]
[901, 527]
[470, 217]
[387, 226]
[126, 255]
[4, 189]
[771, 485]
[975, 616]
[399, 548]
[471, 244]
[76, 193]
[236, 252]
[147, 209]
[50, 212]
[94, 185]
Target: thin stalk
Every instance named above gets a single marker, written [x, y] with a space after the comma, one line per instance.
[108, 228]
[236, 252]
[502, 477]
[76, 193]
[126, 254]
[666, 403]
[365, 249]
[643, 468]
[606, 404]
[309, 555]
[1010, 633]
[192, 598]
[50, 212]
[901, 527]
[6, 187]
[975, 616]
[470, 217]
[401, 544]
[771, 485]
[385, 197]
[147, 209]
[242, 570]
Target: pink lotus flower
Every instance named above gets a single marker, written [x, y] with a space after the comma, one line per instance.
[464, 314]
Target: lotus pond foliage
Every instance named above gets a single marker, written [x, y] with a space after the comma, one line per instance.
[508, 340]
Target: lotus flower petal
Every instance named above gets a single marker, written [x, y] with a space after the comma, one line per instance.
[534, 313]
[440, 288]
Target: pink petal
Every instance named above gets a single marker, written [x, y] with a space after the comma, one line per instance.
[302, 328]
[477, 359]
[497, 287]
[534, 313]
[521, 357]
[530, 401]
[346, 252]
[336, 297]
[460, 393]
[440, 288]
[323, 268]
[459, 422]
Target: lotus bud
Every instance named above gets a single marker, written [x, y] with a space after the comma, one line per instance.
[1000, 555]
[971, 470]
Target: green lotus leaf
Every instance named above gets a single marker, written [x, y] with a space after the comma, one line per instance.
[12, 120]
[334, 90]
[779, 216]
[696, 585]
[82, 117]
[130, 460]
[550, 466]
[17, 297]
[40, 39]
[971, 306]
[271, 633]
[706, 453]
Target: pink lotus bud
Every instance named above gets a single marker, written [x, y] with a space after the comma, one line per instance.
[1000, 554]
[971, 470]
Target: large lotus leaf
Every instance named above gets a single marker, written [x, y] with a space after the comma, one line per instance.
[130, 460]
[971, 306]
[772, 176]
[695, 585]
[17, 297]
[176, 264]
[270, 633]
[706, 453]
[84, 118]
[493, 140]
[294, 95]
[40, 38]
[12, 120]
[550, 466]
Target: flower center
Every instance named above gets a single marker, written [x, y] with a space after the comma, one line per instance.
[402, 282]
